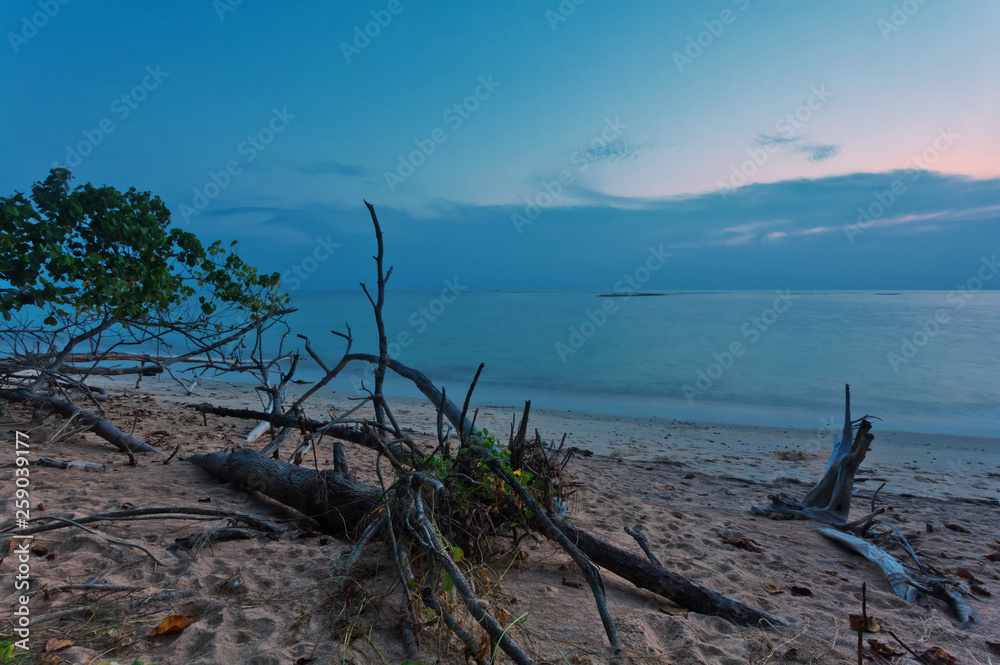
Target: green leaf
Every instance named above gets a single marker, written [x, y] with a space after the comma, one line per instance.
[457, 553]
[447, 584]
[13, 212]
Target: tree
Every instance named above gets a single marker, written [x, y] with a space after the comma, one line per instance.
[99, 269]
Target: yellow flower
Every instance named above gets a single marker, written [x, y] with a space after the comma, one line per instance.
[517, 472]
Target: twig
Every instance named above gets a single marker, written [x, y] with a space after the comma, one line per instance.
[644, 544]
[116, 541]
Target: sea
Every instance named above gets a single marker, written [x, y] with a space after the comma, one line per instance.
[921, 361]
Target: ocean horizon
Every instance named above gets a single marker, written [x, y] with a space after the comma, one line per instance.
[922, 361]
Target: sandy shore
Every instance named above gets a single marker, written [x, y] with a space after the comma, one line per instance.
[688, 484]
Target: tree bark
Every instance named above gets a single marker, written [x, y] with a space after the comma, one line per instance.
[336, 501]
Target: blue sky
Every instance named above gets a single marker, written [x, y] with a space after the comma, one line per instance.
[536, 146]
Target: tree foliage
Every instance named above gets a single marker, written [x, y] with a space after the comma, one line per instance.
[96, 252]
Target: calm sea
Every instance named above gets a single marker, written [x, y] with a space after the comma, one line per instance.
[923, 361]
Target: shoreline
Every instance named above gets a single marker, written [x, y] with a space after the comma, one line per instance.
[934, 465]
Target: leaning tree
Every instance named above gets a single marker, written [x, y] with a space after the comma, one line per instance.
[94, 282]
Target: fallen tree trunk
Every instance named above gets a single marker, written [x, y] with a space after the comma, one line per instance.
[340, 504]
[332, 498]
[661, 581]
[97, 425]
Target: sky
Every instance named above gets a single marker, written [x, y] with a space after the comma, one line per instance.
[537, 146]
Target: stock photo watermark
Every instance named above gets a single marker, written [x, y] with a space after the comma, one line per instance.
[714, 27]
[363, 35]
[30, 25]
[249, 149]
[122, 107]
[455, 115]
[900, 16]
[929, 328]
[21, 553]
[562, 13]
[293, 278]
[420, 320]
[553, 189]
[627, 286]
[886, 198]
[786, 127]
[753, 329]
[223, 7]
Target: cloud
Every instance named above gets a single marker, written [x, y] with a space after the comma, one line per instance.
[333, 168]
[814, 152]
[615, 150]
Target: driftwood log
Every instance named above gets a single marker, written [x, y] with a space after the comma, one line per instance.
[829, 500]
[340, 505]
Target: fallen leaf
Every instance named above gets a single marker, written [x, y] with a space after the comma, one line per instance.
[207, 499]
[744, 544]
[125, 505]
[770, 588]
[801, 591]
[980, 591]
[730, 493]
[872, 626]
[55, 645]
[994, 646]
[39, 550]
[848, 564]
[883, 649]
[964, 573]
[937, 656]
[174, 623]
[688, 476]
[324, 541]
[993, 557]
[572, 583]
[956, 527]
[668, 487]
[304, 661]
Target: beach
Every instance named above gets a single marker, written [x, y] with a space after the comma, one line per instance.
[687, 485]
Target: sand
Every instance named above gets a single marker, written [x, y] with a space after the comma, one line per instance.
[688, 484]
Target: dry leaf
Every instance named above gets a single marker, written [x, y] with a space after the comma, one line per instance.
[304, 661]
[964, 573]
[572, 583]
[55, 645]
[994, 557]
[770, 588]
[994, 646]
[957, 527]
[801, 591]
[39, 550]
[883, 649]
[174, 623]
[937, 656]
[125, 505]
[668, 487]
[688, 476]
[872, 626]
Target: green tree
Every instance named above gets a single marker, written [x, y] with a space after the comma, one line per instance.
[99, 266]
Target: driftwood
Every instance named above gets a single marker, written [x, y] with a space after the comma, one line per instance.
[334, 499]
[830, 499]
[346, 503]
[912, 587]
[99, 426]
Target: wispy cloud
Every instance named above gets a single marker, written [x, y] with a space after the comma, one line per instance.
[814, 152]
[615, 150]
